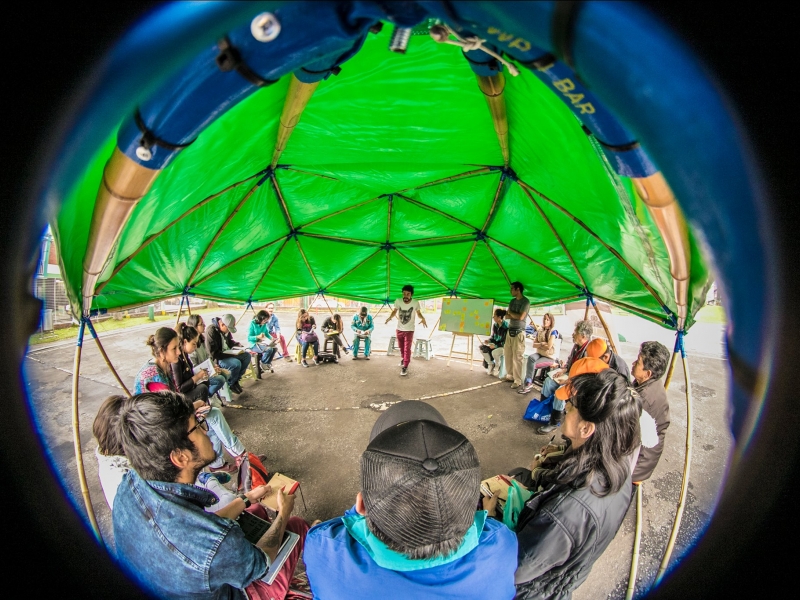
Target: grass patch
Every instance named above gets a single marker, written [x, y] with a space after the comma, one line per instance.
[68, 333]
[711, 314]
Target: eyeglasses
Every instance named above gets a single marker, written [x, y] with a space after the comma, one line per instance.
[201, 423]
[571, 402]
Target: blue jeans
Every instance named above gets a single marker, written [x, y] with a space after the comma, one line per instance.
[220, 434]
[215, 384]
[304, 349]
[265, 356]
[357, 345]
[236, 365]
[548, 389]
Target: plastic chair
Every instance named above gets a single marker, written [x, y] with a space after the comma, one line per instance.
[423, 349]
[501, 370]
[392, 347]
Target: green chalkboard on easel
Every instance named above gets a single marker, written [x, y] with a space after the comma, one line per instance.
[467, 315]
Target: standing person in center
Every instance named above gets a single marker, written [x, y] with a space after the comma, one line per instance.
[515, 342]
[406, 307]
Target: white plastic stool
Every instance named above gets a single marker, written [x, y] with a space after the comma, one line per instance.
[390, 350]
[501, 371]
[423, 349]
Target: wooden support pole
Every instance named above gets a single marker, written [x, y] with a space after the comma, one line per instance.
[433, 329]
[636, 541]
[586, 312]
[605, 328]
[180, 311]
[105, 358]
[662, 569]
[671, 369]
[76, 434]
[249, 305]
[331, 311]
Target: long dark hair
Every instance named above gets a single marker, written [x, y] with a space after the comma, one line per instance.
[603, 460]
[261, 317]
[160, 340]
[337, 318]
[186, 333]
[194, 321]
[151, 426]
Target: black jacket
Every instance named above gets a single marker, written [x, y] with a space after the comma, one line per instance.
[654, 401]
[214, 341]
[620, 366]
[561, 533]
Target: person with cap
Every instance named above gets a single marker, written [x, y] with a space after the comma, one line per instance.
[362, 325]
[414, 531]
[218, 340]
[405, 308]
[514, 347]
[600, 348]
[648, 369]
[584, 490]
[581, 336]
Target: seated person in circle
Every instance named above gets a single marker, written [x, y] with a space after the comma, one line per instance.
[219, 339]
[414, 531]
[363, 327]
[157, 376]
[165, 539]
[492, 350]
[543, 348]
[600, 348]
[275, 330]
[584, 491]
[306, 324]
[648, 369]
[262, 344]
[113, 464]
[333, 328]
[195, 386]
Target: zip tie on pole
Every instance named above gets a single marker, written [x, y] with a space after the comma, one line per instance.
[442, 33]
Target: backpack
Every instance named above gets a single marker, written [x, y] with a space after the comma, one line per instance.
[252, 473]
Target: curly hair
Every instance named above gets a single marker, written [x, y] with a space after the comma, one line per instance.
[655, 358]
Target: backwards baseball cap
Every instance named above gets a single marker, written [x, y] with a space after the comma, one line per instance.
[420, 478]
[596, 348]
[581, 367]
[230, 322]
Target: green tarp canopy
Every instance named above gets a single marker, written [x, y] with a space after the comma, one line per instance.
[392, 176]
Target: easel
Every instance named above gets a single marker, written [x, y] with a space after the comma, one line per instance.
[469, 354]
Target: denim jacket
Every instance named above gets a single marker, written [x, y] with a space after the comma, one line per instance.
[167, 542]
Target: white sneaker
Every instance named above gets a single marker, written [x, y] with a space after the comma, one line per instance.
[490, 371]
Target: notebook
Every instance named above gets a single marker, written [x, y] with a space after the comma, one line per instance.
[277, 481]
[254, 528]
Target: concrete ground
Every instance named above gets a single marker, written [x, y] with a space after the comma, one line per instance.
[314, 423]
